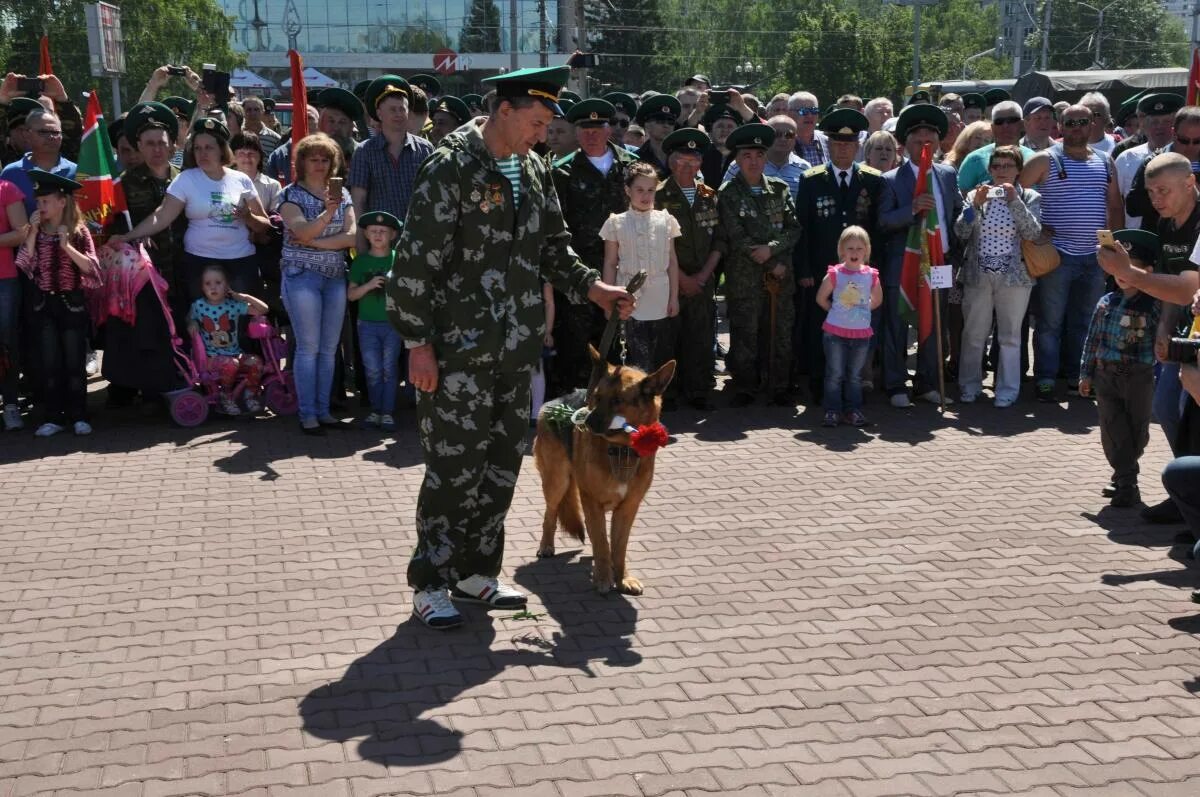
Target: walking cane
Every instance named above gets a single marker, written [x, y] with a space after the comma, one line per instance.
[610, 330]
[773, 285]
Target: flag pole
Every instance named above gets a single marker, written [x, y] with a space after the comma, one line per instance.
[937, 334]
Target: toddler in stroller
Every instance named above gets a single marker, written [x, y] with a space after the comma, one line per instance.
[214, 318]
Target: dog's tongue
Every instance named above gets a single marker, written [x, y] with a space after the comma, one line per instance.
[617, 423]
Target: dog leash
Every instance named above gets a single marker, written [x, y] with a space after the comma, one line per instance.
[610, 329]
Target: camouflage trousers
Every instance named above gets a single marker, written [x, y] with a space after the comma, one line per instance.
[472, 431]
[750, 337]
[694, 345]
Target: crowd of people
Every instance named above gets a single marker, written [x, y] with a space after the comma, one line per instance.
[797, 215]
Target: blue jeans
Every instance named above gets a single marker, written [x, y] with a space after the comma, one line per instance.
[1168, 401]
[316, 306]
[379, 344]
[1067, 297]
[844, 361]
[10, 309]
[1182, 480]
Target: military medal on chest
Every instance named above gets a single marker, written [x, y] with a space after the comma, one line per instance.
[825, 206]
[863, 206]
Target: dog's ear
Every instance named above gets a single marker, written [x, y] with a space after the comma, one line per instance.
[656, 383]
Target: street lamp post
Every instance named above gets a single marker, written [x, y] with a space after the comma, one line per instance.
[1099, 27]
[917, 5]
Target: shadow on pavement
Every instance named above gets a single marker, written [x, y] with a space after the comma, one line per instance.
[393, 696]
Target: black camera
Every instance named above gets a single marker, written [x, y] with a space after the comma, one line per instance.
[1183, 350]
[177, 71]
[33, 86]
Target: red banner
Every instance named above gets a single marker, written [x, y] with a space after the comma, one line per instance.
[1193, 91]
[299, 105]
[44, 65]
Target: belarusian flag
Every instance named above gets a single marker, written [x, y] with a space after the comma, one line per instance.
[922, 252]
[102, 197]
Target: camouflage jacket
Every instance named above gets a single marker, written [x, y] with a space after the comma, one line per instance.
[588, 198]
[699, 223]
[469, 266]
[143, 194]
[751, 220]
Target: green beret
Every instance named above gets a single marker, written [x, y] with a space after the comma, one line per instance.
[360, 89]
[565, 106]
[844, 124]
[383, 87]
[919, 96]
[567, 94]
[45, 183]
[1141, 244]
[622, 101]
[428, 84]
[591, 113]
[382, 219]
[974, 100]
[19, 108]
[453, 106]
[993, 96]
[181, 106]
[315, 97]
[342, 100]
[914, 117]
[473, 101]
[751, 136]
[145, 115]
[687, 139]
[214, 127]
[544, 84]
[660, 106]
[1160, 104]
[269, 104]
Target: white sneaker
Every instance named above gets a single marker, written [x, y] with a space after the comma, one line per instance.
[48, 430]
[82, 428]
[488, 591]
[387, 423]
[12, 418]
[434, 609]
[934, 397]
[93, 364]
[901, 401]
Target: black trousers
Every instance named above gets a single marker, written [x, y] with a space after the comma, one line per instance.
[61, 329]
[1124, 395]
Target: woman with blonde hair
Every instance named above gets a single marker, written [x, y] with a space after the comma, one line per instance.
[973, 136]
[319, 228]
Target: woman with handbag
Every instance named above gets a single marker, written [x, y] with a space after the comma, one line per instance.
[993, 225]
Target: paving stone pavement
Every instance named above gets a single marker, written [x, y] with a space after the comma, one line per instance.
[928, 607]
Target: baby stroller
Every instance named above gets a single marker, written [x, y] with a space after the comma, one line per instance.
[190, 406]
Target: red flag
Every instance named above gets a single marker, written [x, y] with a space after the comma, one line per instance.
[102, 196]
[1193, 91]
[299, 104]
[44, 65]
[922, 252]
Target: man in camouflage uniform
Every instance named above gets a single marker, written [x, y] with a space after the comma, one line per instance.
[698, 249]
[759, 221]
[484, 228]
[591, 185]
[833, 196]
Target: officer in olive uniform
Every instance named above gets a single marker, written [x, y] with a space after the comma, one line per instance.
[698, 249]
[759, 220]
[484, 229]
[657, 116]
[588, 197]
[832, 197]
[447, 115]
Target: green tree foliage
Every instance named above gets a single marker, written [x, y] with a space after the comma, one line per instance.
[1136, 34]
[156, 32]
[828, 46]
[481, 34]
[628, 34]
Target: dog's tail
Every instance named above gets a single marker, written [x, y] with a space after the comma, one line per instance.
[570, 512]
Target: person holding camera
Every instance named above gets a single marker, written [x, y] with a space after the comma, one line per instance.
[1118, 365]
[999, 215]
[18, 94]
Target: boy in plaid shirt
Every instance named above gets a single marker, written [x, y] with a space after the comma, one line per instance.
[1118, 363]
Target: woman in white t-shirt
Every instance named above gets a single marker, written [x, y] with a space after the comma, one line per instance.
[222, 208]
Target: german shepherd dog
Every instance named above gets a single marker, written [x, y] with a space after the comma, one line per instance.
[600, 473]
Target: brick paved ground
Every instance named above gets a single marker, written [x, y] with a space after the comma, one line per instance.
[927, 608]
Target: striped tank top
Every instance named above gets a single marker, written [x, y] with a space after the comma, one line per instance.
[1076, 206]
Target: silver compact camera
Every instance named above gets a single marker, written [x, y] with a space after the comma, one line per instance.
[996, 192]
